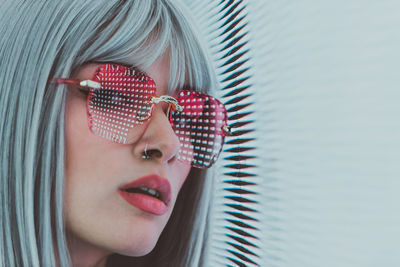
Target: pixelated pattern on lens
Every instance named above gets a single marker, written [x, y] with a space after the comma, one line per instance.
[121, 103]
[199, 128]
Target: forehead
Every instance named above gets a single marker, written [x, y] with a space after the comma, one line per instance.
[159, 71]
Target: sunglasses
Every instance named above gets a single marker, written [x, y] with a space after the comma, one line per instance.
[121, 98]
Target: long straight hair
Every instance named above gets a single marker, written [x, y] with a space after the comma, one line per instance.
[41, 40]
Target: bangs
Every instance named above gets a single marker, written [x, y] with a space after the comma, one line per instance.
[191, 66]
[142, 33]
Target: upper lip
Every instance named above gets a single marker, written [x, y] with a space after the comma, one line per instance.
[153, 181]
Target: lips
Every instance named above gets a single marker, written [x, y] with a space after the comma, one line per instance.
[150, 193]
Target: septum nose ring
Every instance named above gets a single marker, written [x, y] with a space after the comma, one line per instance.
[145, 155]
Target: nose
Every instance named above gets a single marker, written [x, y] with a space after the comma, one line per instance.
[159, 140]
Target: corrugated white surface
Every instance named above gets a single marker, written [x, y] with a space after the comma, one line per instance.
[326, 81]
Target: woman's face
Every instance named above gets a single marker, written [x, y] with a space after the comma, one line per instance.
[100, 218]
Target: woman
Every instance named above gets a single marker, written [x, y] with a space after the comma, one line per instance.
[77, 194]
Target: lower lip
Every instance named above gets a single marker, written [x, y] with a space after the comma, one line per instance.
[145, 203]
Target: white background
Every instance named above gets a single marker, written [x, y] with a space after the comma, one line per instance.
[326, 79]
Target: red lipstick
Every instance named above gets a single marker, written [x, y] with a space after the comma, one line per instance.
[150, 193]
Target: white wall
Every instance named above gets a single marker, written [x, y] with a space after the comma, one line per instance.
[326, 78]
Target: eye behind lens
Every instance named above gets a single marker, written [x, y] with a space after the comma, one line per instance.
[83, 91]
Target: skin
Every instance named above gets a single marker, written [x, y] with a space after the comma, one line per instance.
[99, 221]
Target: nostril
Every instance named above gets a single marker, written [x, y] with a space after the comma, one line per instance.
[172, 159]
[152, 153]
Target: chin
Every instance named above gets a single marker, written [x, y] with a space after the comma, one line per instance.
[135, 251]
[138, 244]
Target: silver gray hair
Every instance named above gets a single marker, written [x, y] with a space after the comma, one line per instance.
[41, 40]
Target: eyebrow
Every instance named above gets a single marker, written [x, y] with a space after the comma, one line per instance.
[122, 64]
[187, 87]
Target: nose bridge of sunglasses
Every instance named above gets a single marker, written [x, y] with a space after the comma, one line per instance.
[167, 99]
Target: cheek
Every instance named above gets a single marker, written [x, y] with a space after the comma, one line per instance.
[90, 162]
[78, 140]
[84, 149]
[78, 167]
[182, 172]
[186, 172]
[77, 130]
[83, 175]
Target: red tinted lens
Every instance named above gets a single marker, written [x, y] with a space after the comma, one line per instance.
[199, 128]
[122, 102]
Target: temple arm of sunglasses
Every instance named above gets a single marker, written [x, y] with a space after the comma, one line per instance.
[84, 83]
